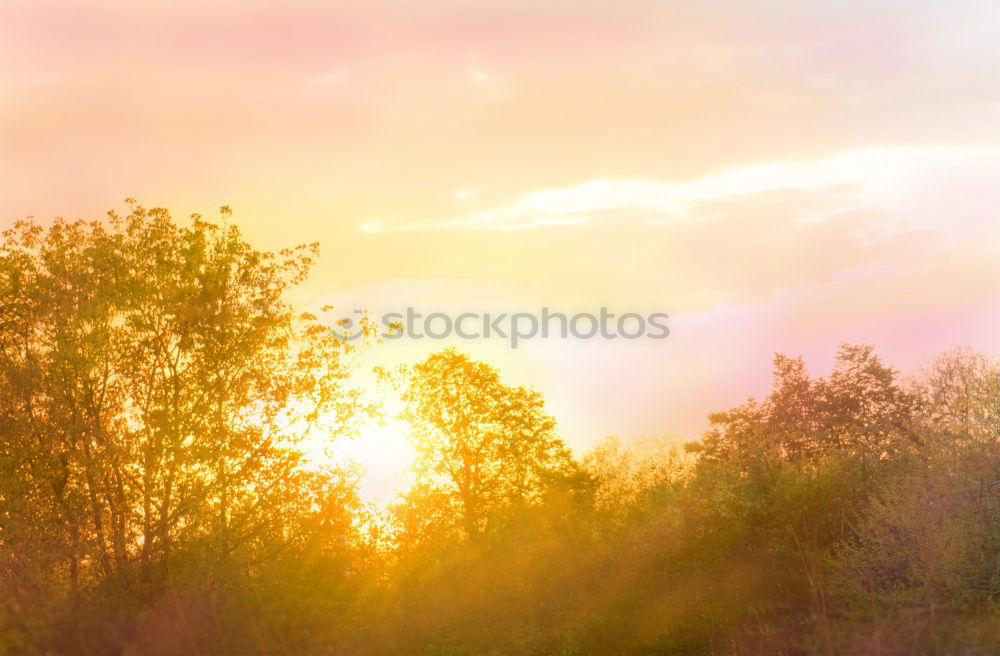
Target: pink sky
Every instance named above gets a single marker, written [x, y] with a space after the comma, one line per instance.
[775, 177]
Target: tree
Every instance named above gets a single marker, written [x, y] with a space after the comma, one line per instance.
[482, 446]
[152, 385]
[860, 410]
[960, 391]
[628, 479]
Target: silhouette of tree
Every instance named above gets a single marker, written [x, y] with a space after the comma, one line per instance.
[152, 384]
[482, 446]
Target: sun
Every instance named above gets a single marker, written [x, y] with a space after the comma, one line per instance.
[381, 451]
[384, 452]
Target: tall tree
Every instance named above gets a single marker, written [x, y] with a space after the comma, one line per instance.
[960, 390]
[860, 410]
[152, 382]
[482, 446]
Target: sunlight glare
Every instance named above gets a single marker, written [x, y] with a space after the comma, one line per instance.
[385, 455]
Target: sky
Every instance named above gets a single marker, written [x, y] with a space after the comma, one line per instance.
[777, 177]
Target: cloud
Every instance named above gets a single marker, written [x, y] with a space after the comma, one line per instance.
[896, 181]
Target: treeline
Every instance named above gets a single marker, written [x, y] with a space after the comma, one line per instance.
[154, 384]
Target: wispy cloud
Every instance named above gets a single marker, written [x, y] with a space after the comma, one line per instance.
[894, 180]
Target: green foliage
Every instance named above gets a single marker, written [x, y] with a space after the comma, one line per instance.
[482, 447]
[153, 387]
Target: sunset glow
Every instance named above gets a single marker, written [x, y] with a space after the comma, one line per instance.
[779, 179]
[480, 327]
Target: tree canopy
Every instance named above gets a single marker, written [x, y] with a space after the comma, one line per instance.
[482, 446]
[155, 387]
